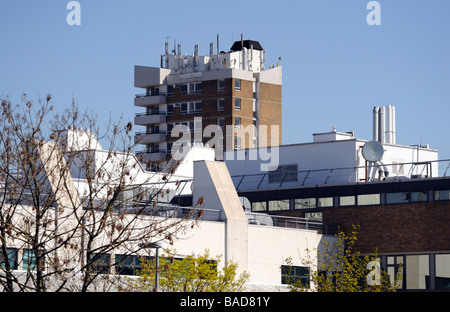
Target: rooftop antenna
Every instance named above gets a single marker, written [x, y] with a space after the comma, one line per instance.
[218, 50]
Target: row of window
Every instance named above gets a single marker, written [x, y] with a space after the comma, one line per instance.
[196, 107]
[27, 261]
[196, 87]
[417, 272]
[352, 200]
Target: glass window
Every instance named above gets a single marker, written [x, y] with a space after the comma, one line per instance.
[417, 272]
[259, 206]
[396, 198]
[169, 90]
[237, 104]
[237, 84]
[221, 123]
[184, 89]
[419, 196]
[314, 216]
[12, 259]
[442, 281]
[127, 264]
[101, 263]
[184, 108]
[220, 85]
[282, 204]
[294, 274]
[369, 199]
[346, 200]
[169, 109]
[325, 202]
[237, 142]
[442, 195]
[220, 105]
[237, 122]
[304, 203]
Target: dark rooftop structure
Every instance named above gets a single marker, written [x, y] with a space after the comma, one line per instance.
[237, 45]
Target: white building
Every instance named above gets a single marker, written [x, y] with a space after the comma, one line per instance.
[331, 158]
[256, 242]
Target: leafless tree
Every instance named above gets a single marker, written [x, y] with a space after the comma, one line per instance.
[65, 203]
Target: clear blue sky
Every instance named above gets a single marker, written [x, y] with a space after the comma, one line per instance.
[336, 67]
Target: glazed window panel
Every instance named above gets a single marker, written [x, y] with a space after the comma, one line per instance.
[442, 272]
[369, 199]
[325, 202]
[397, 198]
[347, 201]
[275, 205]
[259, 206]
[419, 196]
[305, 203]
[442, 195]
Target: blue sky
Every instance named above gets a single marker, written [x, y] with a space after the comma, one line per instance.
[336, 67]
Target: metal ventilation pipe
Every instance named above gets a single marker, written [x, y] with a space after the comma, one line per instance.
[375, 123]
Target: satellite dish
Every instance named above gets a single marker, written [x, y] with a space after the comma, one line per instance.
[372, 151]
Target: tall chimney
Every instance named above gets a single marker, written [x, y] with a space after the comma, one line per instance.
[381, 123]
[375, 123]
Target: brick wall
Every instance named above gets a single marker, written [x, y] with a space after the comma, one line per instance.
[399, 228]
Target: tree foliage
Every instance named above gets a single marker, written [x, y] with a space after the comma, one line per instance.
[64, 205]
[339, 267]
[191, 274]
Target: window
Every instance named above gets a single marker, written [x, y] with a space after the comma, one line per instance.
[29, 260]
[442, 272]
[346, 200]
[368, 199]
[184, 108]
[184, 89]
[191, 88]
[169, 110]
[220, 85]
[397, 198]
[417, 272]
[221, 123]
[169, 90]
[100, 263]
[259, 206]
[442, 195]
[220, 105]
[275, 205]
[304, 203]
[127, 264]
[237, 122]
[195, 107]
[191, 108]
[419, 196]
[394, 266]
[285, 173]
[237, 142]
[294, 274]
[325, 202]
[12, 259]
[237, 104]
[237, 84]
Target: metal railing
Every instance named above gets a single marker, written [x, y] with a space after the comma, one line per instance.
[336, 175]
[150, 94]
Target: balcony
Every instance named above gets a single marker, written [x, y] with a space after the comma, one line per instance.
[148, 138]
[144, 100]
[143, 119]
[151, 156]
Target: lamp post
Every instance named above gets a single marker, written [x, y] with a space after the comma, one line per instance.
[156, 246]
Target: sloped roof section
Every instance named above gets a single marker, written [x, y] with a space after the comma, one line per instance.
[237, 45]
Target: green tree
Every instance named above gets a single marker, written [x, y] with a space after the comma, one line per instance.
[190, 274]
[339, 267]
